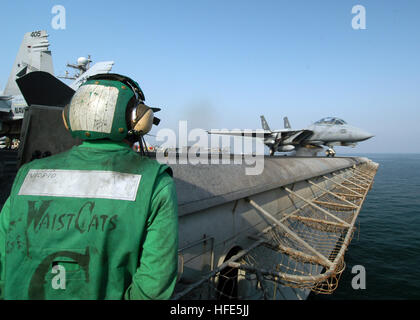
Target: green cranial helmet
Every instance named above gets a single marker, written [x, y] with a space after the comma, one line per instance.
[108, 106]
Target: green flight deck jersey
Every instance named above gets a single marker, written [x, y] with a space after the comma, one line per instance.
[95, 222]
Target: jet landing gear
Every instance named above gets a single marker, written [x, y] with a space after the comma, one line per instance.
[271, 152]
[330, 152]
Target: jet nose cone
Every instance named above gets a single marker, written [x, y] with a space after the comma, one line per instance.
[363, 135]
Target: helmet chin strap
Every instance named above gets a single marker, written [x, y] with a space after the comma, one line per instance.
[143, 146]
[135, 136]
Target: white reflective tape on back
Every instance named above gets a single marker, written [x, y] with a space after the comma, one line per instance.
[81, 184]
[92, 108]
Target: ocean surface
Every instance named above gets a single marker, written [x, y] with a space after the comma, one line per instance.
[387, 243]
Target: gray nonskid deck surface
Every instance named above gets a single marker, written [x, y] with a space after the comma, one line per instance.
[202, 186]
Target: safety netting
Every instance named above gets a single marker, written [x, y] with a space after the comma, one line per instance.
[298, 251]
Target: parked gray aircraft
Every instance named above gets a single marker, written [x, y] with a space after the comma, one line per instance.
[34, 55]
[328, 132]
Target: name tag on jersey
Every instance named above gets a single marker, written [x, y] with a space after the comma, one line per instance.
[81, 184]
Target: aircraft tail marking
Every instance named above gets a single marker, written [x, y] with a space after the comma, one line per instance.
[33, 55]
[286, 123]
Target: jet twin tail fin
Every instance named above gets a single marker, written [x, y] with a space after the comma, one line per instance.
[264, 124]
[266, 127]
[286, 123]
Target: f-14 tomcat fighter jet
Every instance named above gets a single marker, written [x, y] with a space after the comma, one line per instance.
[328, 132]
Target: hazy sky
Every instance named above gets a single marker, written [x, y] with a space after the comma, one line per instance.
[221, 64]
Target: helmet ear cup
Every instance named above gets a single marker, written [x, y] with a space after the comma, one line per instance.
[143, 121]
[63, 115]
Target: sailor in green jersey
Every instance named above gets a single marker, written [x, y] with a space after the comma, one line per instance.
[98, 221]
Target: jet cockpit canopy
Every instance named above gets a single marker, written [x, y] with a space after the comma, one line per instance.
[331, 120]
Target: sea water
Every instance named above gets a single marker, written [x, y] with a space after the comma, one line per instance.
[387, 241]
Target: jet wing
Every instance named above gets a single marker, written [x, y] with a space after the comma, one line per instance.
[291, 137]
[243, 133]
[282, 137]
[98, 68]
[43, 88]
[299, 137]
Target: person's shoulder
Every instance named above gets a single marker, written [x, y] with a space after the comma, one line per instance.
[46, 162]
[156, 165]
